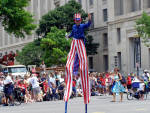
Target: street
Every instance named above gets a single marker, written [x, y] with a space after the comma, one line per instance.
[98, 104]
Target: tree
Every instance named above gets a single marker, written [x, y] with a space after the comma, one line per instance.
[31, 54]
[61, 17]
[56, 47]
[15, 19]
[91, 47]
[53, 43]
[143, 28]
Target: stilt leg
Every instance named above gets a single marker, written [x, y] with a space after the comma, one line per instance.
[85, 108]
[66, 107]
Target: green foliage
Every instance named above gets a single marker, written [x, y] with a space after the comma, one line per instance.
[30, 54]
[60, 17]
[91, 47]
[56, 47]
[15, 18]
[143, 28]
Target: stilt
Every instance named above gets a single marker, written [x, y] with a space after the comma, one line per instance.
[66, 107]
[85, 108]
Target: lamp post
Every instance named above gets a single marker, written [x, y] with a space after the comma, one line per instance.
[137, 52]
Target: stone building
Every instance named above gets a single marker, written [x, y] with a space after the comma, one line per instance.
[126, 49]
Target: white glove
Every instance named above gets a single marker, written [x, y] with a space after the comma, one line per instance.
[66, 35]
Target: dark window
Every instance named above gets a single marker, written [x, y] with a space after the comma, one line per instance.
[105, 15]
[118, 4]
[105, 40]
[135, 5]
[92, 19]
[148, 4]
[91, 62]
[119, 61]
[137, 52]
[80, 1]
[104, 1]
[116, 61]
[105, 62]
[91, 2]
[119, 35]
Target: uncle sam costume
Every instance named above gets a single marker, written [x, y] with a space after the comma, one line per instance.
[77, 48]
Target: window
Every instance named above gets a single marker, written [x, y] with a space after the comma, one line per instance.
[119, 35]
[17, 70]
[137, 52]
[105, 15]
[118, 5]
[57, 3]
[119, 60]
[135, 5]
[42, 7]
[80, 1]
[104, 2]
[146, 3]
[115, 61]
[91, 2]
[91, 62]
[92, 19]
[105, 40]
[105, 62]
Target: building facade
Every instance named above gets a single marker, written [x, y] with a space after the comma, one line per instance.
[113, 27]
[126, 49]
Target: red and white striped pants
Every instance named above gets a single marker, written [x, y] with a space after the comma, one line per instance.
[77, 46]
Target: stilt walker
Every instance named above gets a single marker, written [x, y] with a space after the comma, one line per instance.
[78, 48]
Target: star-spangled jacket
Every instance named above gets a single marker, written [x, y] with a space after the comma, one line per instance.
[78, 31]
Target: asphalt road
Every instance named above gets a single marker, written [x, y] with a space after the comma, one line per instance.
[98, 104]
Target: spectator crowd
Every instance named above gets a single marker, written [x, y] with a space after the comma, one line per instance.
[50, 87]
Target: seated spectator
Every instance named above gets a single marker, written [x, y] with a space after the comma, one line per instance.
[79, 91]
[141, 90]
[27, 97]
[54, 92]
[61, 88]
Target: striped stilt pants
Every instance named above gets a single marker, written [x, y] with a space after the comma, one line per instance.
[77, 46]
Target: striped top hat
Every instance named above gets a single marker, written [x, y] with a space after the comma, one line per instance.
[77, 17]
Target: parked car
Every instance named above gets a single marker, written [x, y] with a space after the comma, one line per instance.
[16, 70]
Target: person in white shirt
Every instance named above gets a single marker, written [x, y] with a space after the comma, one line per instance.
[146, 76]
[35, 87]
[141, 90]
[52, 79]
[8, 88]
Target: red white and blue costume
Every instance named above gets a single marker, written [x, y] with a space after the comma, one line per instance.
[78, 47]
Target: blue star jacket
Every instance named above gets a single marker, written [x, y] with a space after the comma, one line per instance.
[78, 31]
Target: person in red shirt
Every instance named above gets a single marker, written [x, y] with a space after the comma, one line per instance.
[102, 79]
[22, 86]
[74, 86]
[129, 82]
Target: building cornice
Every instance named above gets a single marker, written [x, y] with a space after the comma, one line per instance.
[98, 29]
[126, 18]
